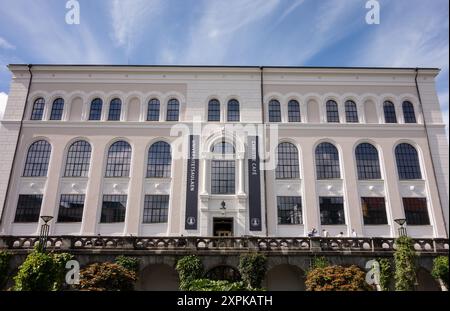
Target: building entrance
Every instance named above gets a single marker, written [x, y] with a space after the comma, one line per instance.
[223, 226]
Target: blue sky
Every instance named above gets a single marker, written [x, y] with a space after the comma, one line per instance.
[230, 32]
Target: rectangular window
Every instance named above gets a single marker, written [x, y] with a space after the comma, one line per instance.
[113, 208]
[28, 208]
[222, 177]
[332, 210]
[156, 208]
[71, 208]
[289, 210]
[416, 211]
[374, 210]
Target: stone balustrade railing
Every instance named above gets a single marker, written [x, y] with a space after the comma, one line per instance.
[246, 243]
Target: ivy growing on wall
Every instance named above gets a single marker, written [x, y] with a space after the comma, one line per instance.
[440, 269]
[252, 268]
[189, 269]
[405, 266]
[385, 273]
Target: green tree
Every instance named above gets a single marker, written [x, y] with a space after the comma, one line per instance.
[405, 266]
[189, 268]
[336, 278]
[106, 276]
[252, 268]
[5, 257]
[440, 269]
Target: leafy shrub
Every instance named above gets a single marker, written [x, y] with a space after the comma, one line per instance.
[252, 268]
[405, 267]
[336, 278]
[385, 273]
[4, 266]
[440, 269]
[41, 271]
[215, 285]
[130, 263]
[106, 276]
[319, 262]
[189, 269]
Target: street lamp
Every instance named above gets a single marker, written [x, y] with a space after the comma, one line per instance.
[45, 228]
[401, 230]
[223, 208]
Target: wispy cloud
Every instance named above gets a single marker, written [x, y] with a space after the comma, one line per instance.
[4, 44]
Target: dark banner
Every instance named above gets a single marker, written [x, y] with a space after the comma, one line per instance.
[192, 184]
[254, 184]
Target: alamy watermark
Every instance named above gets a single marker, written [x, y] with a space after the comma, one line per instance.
[73, 13]
[373, 15]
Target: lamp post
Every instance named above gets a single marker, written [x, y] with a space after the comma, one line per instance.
[45, 228]
[401, 230]
[223, 208]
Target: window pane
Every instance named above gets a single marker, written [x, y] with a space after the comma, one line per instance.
[222, 177]
[38, 156]
[233, 111]
[223, 148]
[115, 108]
[95, 112]
[78, 159]
[294, 111]
[332, 210]
[289, 210]
[408, 112]
[71, 208]
[28, 208]
[214, 110]
[153, 110]
[113, 208]
[389, 112]
[374, 211]
[173, 110]
[274, 111]
[367, 162]
[327, 162]
[38, 109]
[351, 112]
[332, 111]
[119, 159]
[416, 211]
[287, 166]
[57, 109]
[407, 162]
[156, 208]
[159, 160]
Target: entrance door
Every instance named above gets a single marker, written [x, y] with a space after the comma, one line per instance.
[223, 226]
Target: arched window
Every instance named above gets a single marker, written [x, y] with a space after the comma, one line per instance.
[408, 112]
[115, 108]
[233, 111]
[153, 110]
[38, 109]
[214, 110]
[57, 109]
[389, 112]
[332, 112]
[95, 113]
[287, 167]
[294, 111]
[222, 169]
[173, 110]
[407, 162]
[367, 162]
[327, 161]
[351, 112]
[38, 156]
[159, 160]
[78, 159]
[119, 159]
[274, 111]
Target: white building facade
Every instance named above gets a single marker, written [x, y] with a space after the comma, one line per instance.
[203, 151]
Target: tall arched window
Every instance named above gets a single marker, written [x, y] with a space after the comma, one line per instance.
[159, 160]
[287, 166]
[327, 161]
[38, 109]
[153, 110]
[119, 159]
[233, 114]
[173, 110]
[367, 162]
[389, 112]
[408, 165]
[294, 111]
[95, 112]
[57, 109]
[351, 112]
[222, 169]
[274, 111]
[408, 112]
[214, 110]
[332, 112]
[78, 159]
[115, 108]
[38, 156]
